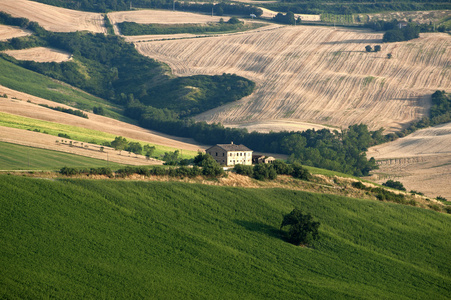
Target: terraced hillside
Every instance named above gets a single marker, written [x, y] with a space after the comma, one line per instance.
[317, 74]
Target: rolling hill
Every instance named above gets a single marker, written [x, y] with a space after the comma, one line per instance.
[103, 239]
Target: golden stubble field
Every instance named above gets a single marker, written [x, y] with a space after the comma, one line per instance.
[9, 32]
[40, 54]
[421, 161]
[54, 18]
[317, 74]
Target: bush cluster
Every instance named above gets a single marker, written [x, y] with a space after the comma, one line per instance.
[69, 171]
[270, 171]
[71, 111]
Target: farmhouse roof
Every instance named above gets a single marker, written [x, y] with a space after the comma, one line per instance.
[233, 147]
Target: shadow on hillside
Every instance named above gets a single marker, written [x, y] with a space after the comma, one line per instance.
[260, 227]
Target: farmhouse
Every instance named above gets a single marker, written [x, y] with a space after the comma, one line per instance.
[231, 154]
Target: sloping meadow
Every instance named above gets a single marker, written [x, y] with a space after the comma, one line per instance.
[123, 239]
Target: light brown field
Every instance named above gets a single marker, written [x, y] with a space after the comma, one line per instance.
[271, 14]
[40, 54]
[317, 74]
[151, 16]
[421, 161]
[423, 17]
[21, 107]
[54, 18]
[9, 32]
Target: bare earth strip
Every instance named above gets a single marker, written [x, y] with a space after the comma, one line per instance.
[54, 18]
[40, 54]
[317, 74]
[95, 122]
[9, 32]
[421, 161]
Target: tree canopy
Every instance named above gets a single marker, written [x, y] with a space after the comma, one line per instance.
[303, 230]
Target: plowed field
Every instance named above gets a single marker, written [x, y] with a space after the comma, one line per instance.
[54, 18]
[318, 75]
[40, 54]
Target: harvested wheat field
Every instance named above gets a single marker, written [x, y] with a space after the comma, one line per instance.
[271, 14]
[421, 161]
[317, 74]
[54, 18]
[9, 32]
[20, 106]
[40, 54]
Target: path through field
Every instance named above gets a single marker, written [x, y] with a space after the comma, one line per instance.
[317, 74]
[54, 18]
[421, 161]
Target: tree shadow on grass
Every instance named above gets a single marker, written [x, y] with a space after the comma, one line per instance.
[260, 227]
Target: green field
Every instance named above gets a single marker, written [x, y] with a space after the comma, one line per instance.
[23, 80]
[17, 157]
[77, 239]
[76, 133]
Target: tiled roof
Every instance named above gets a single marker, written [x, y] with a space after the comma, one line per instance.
[233, 147]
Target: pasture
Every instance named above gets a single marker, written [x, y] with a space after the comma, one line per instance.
[104, 239]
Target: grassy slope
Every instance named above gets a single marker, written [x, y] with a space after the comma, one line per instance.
[92, 239]
[16, 157]
[75, 133]
[23, 80]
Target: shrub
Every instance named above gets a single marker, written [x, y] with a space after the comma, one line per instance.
[395, 185]
[244, 170]
[69, 171]
[300, 172]
[264, 171]
[359, 185]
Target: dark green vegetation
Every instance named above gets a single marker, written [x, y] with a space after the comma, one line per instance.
[270, 171]
[76, 239]
[302, 229]
[16, 157]
[70, 111]
[394, 185]
[131, 28]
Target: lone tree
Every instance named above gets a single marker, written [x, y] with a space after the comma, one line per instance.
[368, 48]
[377, 48]
[303, 230]
[389, 55]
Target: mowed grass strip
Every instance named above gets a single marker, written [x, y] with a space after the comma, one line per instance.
[121, 239]
[76, 133]
[17, 157]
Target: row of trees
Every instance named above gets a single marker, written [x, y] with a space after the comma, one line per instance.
[270, 171]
